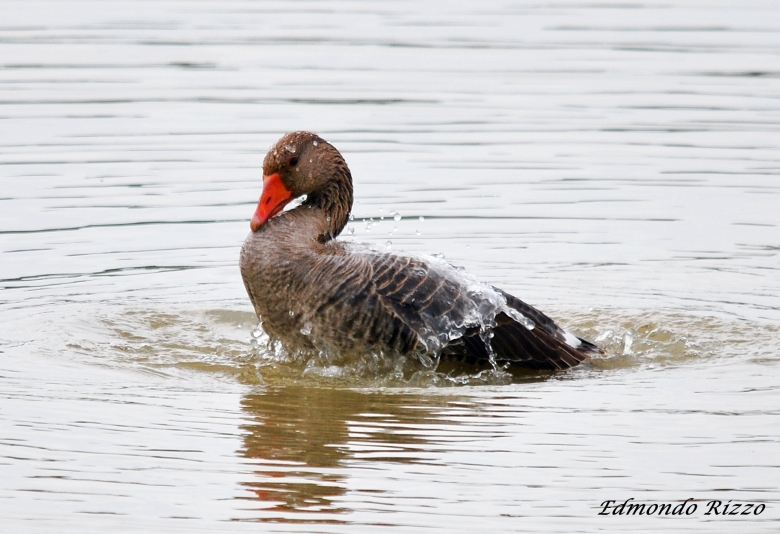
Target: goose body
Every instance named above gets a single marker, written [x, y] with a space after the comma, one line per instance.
[312, 291]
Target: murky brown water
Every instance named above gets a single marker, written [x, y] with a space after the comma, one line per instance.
[617, 165]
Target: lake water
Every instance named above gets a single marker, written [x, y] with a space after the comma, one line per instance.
[615, 164]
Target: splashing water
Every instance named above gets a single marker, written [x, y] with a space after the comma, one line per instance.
[227, 343]
[520, 318]
[628, 340]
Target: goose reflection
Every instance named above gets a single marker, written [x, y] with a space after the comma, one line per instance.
[304, 440]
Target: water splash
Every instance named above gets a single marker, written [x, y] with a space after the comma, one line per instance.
[227, 343]
[628, 340]
[520, 318]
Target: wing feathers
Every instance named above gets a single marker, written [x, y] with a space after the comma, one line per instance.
[402, 297]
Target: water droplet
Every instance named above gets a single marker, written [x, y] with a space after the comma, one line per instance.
[290, 149]
[438, 255]
[351, 231]
[422, 219]
[389, 245]
[417, 232]
[397, 216]
[327, 218]
[351, 217]
[291, 313]
[311, 160]
[315, 143]
[306, 330]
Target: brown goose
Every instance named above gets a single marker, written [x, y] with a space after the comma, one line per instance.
[311, 291]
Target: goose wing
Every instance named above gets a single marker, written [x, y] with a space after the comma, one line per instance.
[445, 310]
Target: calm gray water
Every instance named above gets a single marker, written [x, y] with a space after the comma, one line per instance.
[615, 164]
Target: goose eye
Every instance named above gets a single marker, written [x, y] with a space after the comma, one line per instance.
[293, 161]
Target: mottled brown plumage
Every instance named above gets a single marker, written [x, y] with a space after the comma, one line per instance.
[314, 292]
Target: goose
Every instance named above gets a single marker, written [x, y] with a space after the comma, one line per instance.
[312, 291]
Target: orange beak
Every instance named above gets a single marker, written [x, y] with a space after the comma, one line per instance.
[274, 198]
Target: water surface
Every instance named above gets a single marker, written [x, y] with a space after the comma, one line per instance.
[616, 165]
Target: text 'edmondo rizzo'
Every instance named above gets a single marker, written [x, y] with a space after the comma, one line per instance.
[686, 507]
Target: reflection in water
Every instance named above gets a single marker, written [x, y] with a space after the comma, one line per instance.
[302, 439]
